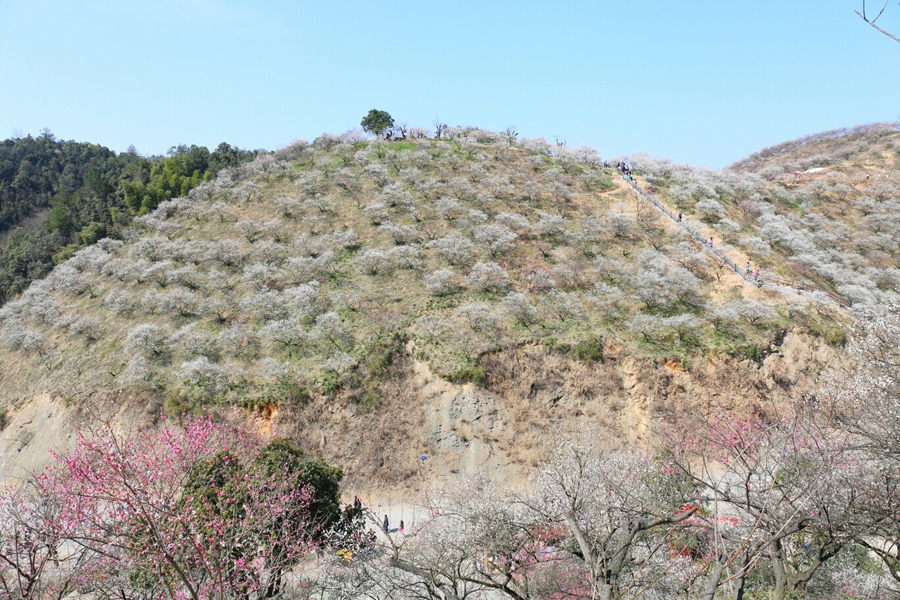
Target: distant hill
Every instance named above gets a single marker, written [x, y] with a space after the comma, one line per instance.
[822, 211]
[852, 146]
[460, 297]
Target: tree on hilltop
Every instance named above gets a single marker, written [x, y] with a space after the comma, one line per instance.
[377, 122]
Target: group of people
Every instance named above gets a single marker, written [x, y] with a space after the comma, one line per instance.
[750, 271]
[386, 523]
[623, 167]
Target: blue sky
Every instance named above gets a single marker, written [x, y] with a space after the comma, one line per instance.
[704, 82]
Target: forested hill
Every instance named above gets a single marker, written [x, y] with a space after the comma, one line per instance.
[57, 196]
[415, 309]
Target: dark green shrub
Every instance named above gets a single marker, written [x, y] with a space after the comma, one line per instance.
[590, 350]
[476, 375]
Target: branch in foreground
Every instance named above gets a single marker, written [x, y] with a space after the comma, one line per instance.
[862, 15]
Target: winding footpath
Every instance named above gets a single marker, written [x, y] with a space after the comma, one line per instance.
[777, 285]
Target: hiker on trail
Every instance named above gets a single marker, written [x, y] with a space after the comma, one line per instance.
[710, 242]
[748, 267]
[679, 217]
[400, 529]
[649, 190]
[387, 524]
[357, 503]
[756, 274]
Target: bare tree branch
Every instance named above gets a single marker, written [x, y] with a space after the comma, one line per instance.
[862, 15]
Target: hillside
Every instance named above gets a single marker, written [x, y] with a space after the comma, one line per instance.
[461, 298]
[819, 213]
[871, 146]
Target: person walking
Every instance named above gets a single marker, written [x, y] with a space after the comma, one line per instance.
[679, 217]
[400, 529]
[387, 524]
[748, 267]
[357, 503]
[710, 242]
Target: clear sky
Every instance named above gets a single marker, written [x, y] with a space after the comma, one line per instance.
[704, 82]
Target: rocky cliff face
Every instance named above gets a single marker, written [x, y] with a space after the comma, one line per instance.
[530, 399]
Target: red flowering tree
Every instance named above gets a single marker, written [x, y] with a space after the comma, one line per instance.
[179, 512]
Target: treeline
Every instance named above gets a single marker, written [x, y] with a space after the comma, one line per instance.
[79, 192]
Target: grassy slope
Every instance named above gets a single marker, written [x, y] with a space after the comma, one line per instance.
[582, 279]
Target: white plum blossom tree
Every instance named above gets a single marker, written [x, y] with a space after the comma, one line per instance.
[488, 277]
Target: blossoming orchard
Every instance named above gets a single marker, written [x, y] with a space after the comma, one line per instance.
[193, 511]
[429, 312]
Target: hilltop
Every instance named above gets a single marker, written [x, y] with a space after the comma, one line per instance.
[461, 297]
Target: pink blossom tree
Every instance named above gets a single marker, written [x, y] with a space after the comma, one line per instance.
[31, 564]
[195, 511]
